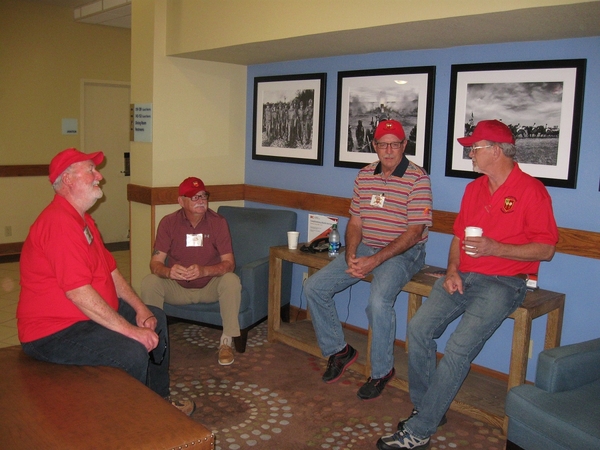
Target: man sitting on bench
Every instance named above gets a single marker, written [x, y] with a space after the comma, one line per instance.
[485, 280]
[75, 307]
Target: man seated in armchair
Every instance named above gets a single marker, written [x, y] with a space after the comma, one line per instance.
[193, 262]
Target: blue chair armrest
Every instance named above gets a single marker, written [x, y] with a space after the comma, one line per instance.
[255, 279]
[569, 367]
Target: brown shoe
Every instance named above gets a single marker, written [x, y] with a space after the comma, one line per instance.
[185, 406]
[225, 355]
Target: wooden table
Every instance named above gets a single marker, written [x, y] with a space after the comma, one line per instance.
[537, 303]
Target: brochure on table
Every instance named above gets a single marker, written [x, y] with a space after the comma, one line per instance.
[319, 226]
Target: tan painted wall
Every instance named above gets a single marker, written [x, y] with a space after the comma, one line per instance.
[198, 121]
[43, 56]
[235, 22]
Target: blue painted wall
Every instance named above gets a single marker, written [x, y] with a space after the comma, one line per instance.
[574, 208]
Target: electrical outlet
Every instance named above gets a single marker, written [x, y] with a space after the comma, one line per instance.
[304, 277]
[7, 231]
[530, 348]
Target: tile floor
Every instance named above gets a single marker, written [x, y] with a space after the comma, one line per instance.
[9, 296]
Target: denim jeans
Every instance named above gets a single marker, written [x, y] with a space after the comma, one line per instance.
[388, 280]
[486, 302]
[87, 343]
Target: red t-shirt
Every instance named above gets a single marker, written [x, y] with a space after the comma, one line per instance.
[172, 239]
[55, 259]
[519, 212]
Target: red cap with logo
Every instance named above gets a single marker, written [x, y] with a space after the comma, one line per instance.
[191, 186]
[64, 159]
[389, 127]
[488, 130]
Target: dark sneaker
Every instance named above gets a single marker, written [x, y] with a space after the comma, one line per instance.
[338, 363]
[402, 439]
[374, 386]
[413, 413]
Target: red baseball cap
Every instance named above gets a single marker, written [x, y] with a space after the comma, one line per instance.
[390, 127]
[191, 186]
[488, 130]
[64, 159]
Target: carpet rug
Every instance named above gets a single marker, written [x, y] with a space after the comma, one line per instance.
[272, 397]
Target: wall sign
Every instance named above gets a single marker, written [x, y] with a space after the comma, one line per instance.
[140, 116]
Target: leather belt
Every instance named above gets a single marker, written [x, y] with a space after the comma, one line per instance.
[522, 276]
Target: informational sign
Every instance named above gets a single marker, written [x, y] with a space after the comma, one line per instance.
[141, 122]
[319, 226]
[69, 126]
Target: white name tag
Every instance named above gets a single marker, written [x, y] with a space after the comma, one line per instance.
[378, 200]
[194, 240]
[88, 235]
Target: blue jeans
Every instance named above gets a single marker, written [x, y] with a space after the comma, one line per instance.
[486, 302]
[87, 343]
[388, 280]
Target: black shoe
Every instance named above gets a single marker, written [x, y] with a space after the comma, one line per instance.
[374, 386]
[413, 413]
[338, 363]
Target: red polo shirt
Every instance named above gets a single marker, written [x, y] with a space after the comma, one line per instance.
[57, 258]
[519, 212]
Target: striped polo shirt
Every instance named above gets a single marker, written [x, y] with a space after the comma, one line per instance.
[388, 207]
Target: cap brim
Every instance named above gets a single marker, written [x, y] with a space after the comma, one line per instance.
[468, 141]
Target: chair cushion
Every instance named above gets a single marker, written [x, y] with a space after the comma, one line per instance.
[570, 419]
[255, 230]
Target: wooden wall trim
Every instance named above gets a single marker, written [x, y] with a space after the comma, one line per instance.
[30, 170]
[571, 241]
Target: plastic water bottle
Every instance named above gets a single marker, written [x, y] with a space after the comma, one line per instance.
[334, 241]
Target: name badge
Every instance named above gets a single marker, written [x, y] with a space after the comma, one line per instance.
[378, 200]
[88, 235]
[194, 240]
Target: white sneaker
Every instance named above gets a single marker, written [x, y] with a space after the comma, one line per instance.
[402, 439]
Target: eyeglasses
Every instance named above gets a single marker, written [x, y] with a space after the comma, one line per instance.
[474, 149]
[384, 145]
[195, 198]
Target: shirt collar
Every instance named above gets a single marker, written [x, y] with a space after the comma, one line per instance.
[398, 171]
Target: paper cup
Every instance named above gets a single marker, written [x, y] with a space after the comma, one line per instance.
[472, 232]
[293, 239]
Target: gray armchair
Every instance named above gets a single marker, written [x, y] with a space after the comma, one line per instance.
[562, 410]
[253, 232]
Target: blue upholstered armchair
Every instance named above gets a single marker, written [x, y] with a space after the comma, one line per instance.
[562, 410]
[253, 232]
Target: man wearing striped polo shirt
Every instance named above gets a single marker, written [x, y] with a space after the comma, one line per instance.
[389, 218]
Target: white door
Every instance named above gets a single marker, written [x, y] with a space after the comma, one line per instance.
[105, 127]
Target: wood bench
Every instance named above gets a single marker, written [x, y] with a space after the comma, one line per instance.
[52, 406]
[537, 303]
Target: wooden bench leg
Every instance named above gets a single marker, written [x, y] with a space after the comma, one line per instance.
[414, 303]
[554, 326]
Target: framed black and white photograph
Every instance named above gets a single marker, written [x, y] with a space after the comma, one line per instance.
[289, 113]
[540, 101]
[365, 97]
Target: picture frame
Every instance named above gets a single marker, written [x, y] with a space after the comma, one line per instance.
[404, 94]
[288, 123]
[542, 103]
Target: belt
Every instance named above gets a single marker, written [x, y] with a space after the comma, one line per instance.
[522, 276]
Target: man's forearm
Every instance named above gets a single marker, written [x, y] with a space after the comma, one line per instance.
[87, 299]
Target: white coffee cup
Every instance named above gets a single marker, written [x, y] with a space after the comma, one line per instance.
[472, 232]
[293, 239]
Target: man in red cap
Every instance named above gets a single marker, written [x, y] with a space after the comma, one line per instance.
[389, 218]
[193, 262]
[484, 286]
[75, 307]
